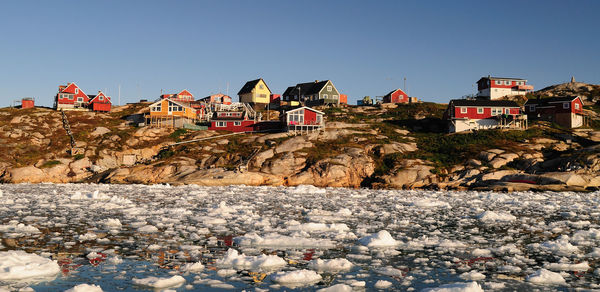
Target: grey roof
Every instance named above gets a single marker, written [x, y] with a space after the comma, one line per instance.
[544, 101]
[247, 88]
[502, 78]
[308, 88]
[482, 102]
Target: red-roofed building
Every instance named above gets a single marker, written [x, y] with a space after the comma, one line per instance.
[100, 102]
[70, 97]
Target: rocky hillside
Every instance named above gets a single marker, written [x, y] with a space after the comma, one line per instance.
[589, 92]
[388, 146]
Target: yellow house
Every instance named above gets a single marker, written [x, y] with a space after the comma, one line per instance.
[255, 92]
[169, 113]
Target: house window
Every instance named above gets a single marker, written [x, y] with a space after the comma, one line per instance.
[324, 96]
[221, 124]
[76, 90]
[157, 108]
[261, 86]
[328, 88]
[498, 82]
[576, 106]
[80, 99]
[532, 108]
[101, 98]
[565, 105]
[237, 123]
[480, 110]
[463, 110]
[507, 82]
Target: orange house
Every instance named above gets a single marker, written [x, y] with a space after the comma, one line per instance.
[170, 113]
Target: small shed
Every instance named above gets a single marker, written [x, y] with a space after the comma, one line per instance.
[27, 102]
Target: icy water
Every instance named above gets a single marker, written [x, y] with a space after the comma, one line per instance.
[304, 238]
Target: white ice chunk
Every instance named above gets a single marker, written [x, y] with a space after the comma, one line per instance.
[298, 277]
[85, 288]
[456, 287]
[332, 266]
[492, 217]
[336, 288]
[545, 277]
[380, 239]
[159, 283]
[20, 265]
[240, 261]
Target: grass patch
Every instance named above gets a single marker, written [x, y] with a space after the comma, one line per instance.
[50, 163]
[445, 151]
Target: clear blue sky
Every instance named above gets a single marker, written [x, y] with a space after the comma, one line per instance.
[364, 47]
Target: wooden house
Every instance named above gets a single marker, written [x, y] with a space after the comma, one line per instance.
[396, 96]
[256, 93]
[100, 102]
[70, 97]
[498, 87]
[218, 98]
[303, 119]
[312, 94]
[182, 96]
[566, 111]
[465, 115]
[169, 113]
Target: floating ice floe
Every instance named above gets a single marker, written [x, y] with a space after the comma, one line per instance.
[560, 246]
[148, 229]
[192, 267]
[429, 203]
[472, 275]
[278, 240]
[494, 217]
[583, 266]
[336, 288]
[19, 229]
[296, 278]
[456, 287]
[383, 284]
[545, 277]
[317, 227]
[19, 265]
[380, 239]
[240, 261]
[331, 266]
[85, 288]
[306, 189]
[159, 283]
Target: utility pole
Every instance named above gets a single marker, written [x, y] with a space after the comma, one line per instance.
[405, 85]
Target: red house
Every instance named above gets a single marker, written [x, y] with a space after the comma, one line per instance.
[100, 102]
[497, 87]
[396, 96]
[303, 119]
[465, 115]
[566, 111]
[70, 97]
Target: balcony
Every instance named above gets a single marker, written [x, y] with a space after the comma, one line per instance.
[524, 87]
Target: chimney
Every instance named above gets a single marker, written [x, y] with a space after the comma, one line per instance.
[316, 81]
[572, 79]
